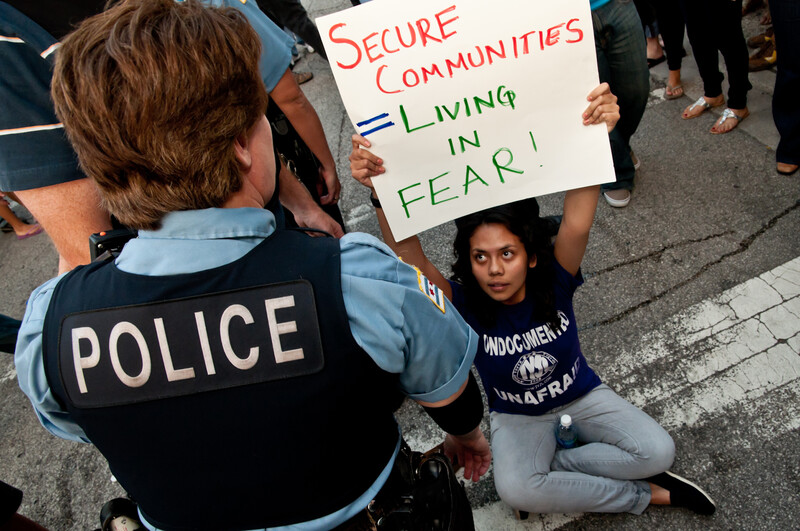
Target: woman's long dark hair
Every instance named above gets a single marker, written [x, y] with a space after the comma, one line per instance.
[522, 219]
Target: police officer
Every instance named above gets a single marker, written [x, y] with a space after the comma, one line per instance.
[234, 375]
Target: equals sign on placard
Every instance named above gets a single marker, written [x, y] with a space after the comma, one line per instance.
[373, 126]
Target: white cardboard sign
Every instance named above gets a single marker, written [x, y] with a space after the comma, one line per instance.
[471, 104]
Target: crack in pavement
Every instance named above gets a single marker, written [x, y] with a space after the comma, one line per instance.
[654, 254]
[743, 246]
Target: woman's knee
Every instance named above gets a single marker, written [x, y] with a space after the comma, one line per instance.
[659, 454]
[528, 494]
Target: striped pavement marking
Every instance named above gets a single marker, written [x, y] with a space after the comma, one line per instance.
[9, 374]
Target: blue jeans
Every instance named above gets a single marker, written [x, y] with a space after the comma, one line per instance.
[622, 444]
[622, 63]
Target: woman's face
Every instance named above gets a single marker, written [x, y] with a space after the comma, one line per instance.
[499, 262]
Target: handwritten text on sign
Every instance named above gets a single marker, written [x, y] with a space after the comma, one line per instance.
[470, 104]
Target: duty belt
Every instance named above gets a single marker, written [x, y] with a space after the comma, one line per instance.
[421, 494]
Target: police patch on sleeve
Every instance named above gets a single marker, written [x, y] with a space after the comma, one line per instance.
[147, 352]
[430, 289]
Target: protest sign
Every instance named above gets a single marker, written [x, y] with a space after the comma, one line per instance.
[471, 104]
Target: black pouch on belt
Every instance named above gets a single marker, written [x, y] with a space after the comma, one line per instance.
[422, 494]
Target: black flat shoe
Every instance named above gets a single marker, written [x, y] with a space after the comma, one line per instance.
[684, 493]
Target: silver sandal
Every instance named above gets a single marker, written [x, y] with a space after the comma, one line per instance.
[727, 113]
[701, 102]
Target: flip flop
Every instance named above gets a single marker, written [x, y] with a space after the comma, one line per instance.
[701, 102]
[669, 93]
[34, 232]
[727, 114]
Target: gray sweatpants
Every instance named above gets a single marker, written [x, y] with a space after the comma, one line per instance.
[621, 444]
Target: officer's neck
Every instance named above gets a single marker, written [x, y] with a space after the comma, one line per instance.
[247, 196]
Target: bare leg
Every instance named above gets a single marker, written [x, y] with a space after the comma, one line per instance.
[658, 495]
[69, 212]
[654, 50]
[674, 85]
[20, 227]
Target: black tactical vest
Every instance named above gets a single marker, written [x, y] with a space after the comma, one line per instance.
[231, 398]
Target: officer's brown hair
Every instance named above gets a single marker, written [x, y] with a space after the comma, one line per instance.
[152, 94]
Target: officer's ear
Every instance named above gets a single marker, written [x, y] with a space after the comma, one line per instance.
[241, 148]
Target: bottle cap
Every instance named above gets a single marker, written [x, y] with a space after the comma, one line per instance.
[566, 421]
[119, 507]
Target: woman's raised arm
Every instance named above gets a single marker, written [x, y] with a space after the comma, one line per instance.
[580, 204]
[364, 165]
[573, 235]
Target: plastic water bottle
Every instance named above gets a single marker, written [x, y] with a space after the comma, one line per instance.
[119, 514]
[566, 434]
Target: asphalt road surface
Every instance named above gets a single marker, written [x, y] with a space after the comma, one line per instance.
[691, 310]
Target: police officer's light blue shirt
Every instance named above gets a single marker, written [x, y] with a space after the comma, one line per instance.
[276, 45]
[390, 315]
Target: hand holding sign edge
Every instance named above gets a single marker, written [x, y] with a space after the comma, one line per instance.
[364, 164]
[603, 107]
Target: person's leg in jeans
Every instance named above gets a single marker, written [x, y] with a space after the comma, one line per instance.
[622, 63]
[622, 441]
[624, 444]
[785, 105]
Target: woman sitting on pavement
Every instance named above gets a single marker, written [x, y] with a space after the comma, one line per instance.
[515, 289]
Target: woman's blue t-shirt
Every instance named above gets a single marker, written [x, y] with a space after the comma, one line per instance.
[526, 367]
